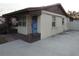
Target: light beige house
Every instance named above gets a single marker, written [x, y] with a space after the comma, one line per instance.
[41, 22]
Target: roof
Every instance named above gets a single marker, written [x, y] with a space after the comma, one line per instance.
[56, 8]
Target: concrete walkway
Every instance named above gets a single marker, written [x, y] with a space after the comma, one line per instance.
[66, 44]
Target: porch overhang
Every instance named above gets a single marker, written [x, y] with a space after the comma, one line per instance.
[17, 13]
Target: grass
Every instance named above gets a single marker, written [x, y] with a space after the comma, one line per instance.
[3, 40]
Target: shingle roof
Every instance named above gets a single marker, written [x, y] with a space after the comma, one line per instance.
[56, 8]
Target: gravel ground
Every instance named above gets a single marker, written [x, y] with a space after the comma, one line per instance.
[66, 44]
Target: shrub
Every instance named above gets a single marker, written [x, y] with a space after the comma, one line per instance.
[3, 40]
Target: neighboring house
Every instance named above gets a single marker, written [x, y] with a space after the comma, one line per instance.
[74, 24]
[45, 21]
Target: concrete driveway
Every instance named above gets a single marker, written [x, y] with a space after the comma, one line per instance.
[65, 44]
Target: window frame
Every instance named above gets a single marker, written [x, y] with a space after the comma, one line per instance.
[22, 20]
[53, 21]
[63, 21]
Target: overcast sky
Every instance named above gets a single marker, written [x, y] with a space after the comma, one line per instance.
[7, 6]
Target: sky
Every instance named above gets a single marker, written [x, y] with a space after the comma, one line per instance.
[7, 6]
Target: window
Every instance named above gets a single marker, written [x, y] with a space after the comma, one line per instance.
[14, 21]
[62, 21]
[22, 20]
[53, 21]
[71, 20]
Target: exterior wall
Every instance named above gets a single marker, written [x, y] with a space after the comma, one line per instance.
[29, 24]
[74, 25]
[22, 29]
[28, 28]
[66, 24]
[38, 25]
[46, 24]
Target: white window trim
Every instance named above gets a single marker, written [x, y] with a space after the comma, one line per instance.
[22, 22]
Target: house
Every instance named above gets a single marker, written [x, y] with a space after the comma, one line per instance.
[74, 20]
[40, 22]
[74, 24]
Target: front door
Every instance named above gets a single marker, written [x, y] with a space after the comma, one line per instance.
[34, 24]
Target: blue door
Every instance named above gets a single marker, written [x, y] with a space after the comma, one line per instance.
[34, 24]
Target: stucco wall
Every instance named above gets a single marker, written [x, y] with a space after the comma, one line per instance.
[66, 24]
[46, 24]
[38, 25]
[28, 28]
[22, 29]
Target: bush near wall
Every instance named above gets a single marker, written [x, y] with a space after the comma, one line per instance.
[3, 40]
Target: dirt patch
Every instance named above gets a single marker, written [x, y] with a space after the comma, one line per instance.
[3, 40]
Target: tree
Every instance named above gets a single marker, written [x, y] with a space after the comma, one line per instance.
[73, 14]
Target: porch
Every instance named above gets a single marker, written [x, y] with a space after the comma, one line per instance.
[30, 31]
[28, 28]
[28, 38]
